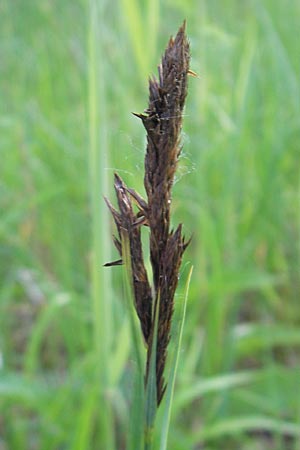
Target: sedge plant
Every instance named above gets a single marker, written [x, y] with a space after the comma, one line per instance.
[154, 301]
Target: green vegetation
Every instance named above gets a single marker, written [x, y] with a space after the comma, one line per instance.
[71, 74]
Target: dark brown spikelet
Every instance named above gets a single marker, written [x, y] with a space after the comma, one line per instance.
[162, 121]
[126, 220]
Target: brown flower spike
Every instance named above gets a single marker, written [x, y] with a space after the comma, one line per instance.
[162, 121]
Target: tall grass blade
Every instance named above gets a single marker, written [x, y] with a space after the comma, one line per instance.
[236, 425]
[173, 369]
[100, 283]
[84, 430]
[135, 24]
[218, 383]
[153, 24]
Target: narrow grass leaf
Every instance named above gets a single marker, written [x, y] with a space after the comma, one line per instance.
[153, 23]
[173, 369]
[215, 384]
[237, 425]
[255, 337]
[100, 280]
[18, 387]
[85, 421]
[135, 25]
[121, 354]
[39, 330]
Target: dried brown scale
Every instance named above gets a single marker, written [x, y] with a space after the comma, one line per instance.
[162, 121]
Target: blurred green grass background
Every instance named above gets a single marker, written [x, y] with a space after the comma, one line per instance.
[71, 73]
